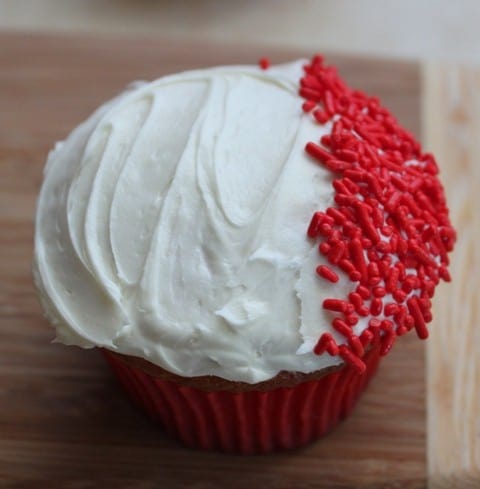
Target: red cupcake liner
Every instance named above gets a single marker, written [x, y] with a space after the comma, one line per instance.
[251, 421]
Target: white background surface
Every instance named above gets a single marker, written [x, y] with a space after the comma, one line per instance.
[416, 29]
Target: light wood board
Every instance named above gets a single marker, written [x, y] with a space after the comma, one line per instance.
[63, 420]
[451, 109]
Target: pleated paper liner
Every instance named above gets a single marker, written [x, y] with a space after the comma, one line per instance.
[247, 422]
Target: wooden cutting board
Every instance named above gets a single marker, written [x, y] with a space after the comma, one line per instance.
[64, 421]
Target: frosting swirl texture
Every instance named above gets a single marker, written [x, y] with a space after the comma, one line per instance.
[171, 225]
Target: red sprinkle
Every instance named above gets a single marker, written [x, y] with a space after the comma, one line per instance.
[264, 63]
[351, 319]
[391, 309]
[327, 273]
[352, 359]
[366, 337]
[376, 306]
[364, 292]
[356, 345]
[342, 327]
[387, 342]
[322, 343]
[389, 227]
[332, 348]
[366, 222]
[337, 252]
[399, 295]
[358, 258]
[308, 106]
[314, 227]
[415, 311]
[321, 116]
[335, 305]
[317, 152]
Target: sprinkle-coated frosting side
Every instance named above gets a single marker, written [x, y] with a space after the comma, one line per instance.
[389, 229]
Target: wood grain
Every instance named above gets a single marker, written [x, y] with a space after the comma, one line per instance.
[63, 420]
[452, 132]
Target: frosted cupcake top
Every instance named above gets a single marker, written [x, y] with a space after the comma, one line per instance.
[182, 221]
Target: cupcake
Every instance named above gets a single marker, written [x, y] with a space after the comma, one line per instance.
[243, 244]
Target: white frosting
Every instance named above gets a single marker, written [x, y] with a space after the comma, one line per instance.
[171, 225]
